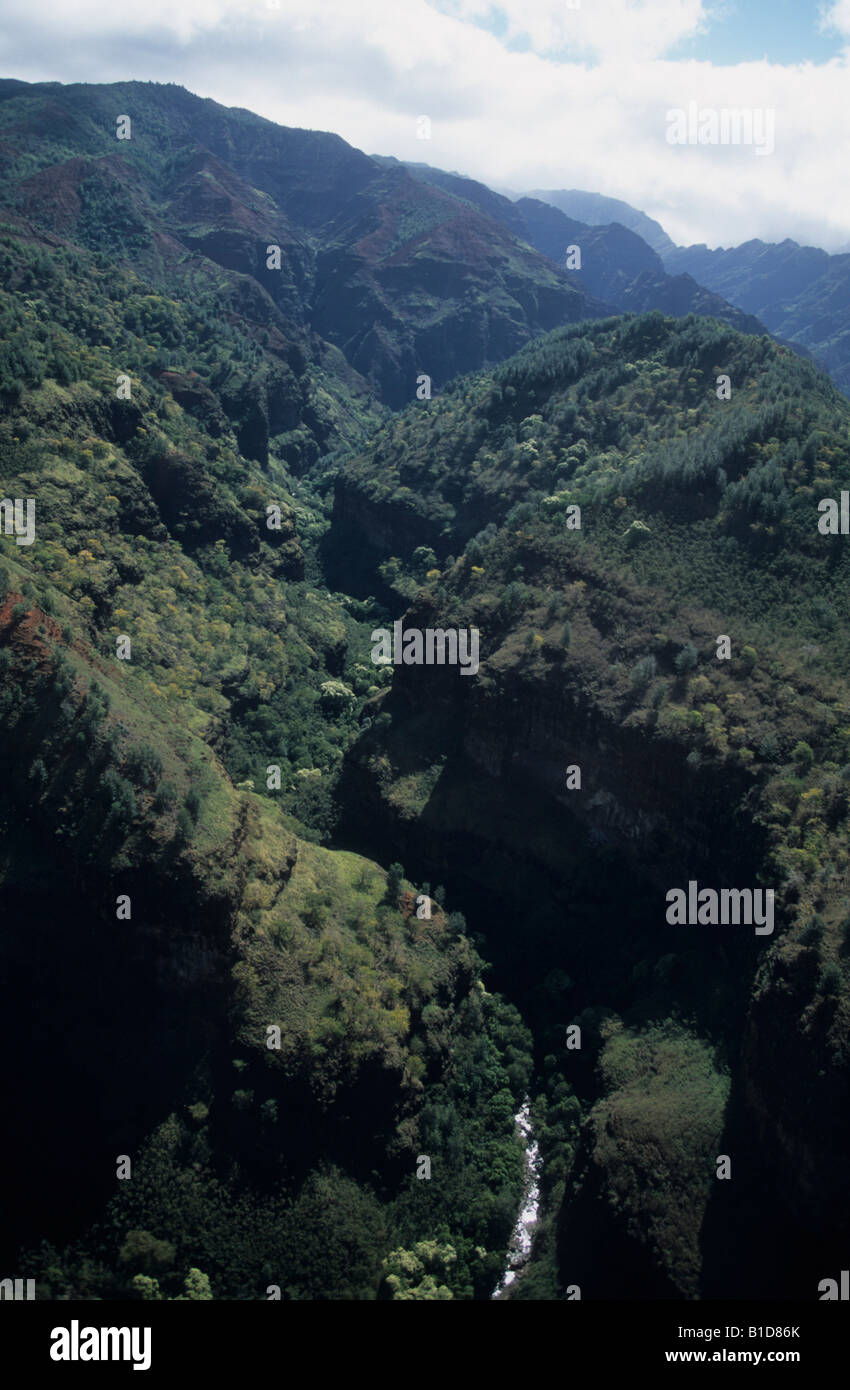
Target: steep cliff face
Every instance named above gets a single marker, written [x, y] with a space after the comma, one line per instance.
[366, 531]
[468, 784]
[637, 793]
[795, 1067]
[538, 715]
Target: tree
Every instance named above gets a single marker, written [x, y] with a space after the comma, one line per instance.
[395, 878]
[39, 776]
[686, 659]
[643, 672]
[197, 1286]
[146, 1288]
[412, 1274]
[338, 1237]
[423, 559]
[513, 600]
[749, 658]
[183, 827]
[474, 552]
[143, 1250]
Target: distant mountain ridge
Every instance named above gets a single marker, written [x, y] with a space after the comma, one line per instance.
[397, 275]
[801, 292]
[618, 267]
[597, 209]
[403, 269]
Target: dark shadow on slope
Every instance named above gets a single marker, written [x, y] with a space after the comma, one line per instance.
[105, 1021]
[753, 1246]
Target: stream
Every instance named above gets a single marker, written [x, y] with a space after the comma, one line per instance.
[519, 1246]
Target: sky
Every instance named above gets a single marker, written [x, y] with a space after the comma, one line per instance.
[520, 94]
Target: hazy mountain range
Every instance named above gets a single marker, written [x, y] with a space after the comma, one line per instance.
[801, 293]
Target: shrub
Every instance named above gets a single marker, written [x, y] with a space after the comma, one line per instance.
[144, 765]
[813, 932]
[830, 979]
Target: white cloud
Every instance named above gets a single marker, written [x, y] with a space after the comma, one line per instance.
[640, 29]
[520, 119]
[836, 16]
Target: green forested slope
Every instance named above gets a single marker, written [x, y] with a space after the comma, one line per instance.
[699, 520]
[192, 836]
[194, 913]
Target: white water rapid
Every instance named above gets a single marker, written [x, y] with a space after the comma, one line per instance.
[519, 1247]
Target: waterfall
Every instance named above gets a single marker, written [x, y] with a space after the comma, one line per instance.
[519, 1246]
